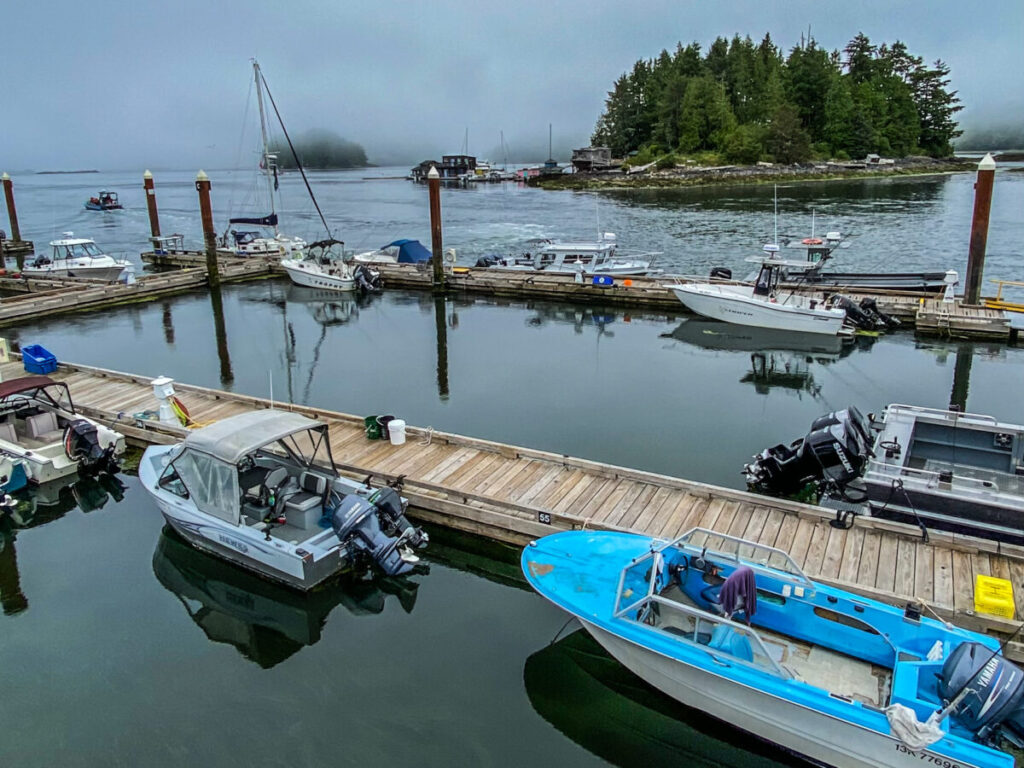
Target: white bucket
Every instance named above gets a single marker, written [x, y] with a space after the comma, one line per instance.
[396, 431]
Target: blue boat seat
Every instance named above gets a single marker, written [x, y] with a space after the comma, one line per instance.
[728, 640]
[712, 595]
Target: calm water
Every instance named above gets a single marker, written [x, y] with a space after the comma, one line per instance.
[118, 645]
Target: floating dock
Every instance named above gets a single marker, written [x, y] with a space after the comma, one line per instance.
[515, 494]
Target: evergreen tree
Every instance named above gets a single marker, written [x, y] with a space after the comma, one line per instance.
[936, 106]
[860, 58]
[838, 115]
[787, 140]
[706, 117]
[809, 71]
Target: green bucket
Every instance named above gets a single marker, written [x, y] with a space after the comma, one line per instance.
[372, 427]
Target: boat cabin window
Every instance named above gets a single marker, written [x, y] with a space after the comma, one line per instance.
[78, 251]
[767, 280]
[212, 484]
[170, 481]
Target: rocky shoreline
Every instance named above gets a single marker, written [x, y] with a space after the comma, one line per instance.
[686, 176]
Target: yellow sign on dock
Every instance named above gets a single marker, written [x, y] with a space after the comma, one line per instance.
[993, 596]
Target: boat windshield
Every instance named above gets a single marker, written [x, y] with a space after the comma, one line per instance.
[77, 251]
[55, 394]
[306, 448]
[723, 546]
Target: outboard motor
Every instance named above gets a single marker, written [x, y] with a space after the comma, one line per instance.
[81, 444]
[870, 307]
[487, 261]
[367, 280]
[995, 691]
[377, 527]
[854, 313]
[722, 273]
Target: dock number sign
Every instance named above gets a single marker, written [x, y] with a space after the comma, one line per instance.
[544, 517]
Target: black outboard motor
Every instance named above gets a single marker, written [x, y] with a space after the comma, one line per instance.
[855, 314]
[723, 273]
[995, 696]
[377, 527]
[81, 444]
[487, 261]
[870, 307]
[367, 280]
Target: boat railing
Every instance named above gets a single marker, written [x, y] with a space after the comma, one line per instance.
[952, 416]
[693, 626]
[740, 550]
[950, 476]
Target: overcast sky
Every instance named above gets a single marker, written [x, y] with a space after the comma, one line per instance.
[125, 84]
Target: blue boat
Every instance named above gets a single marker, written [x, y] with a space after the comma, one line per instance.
[104, 201]
[735, 629]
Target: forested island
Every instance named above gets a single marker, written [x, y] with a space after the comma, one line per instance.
[745, 102]
[322, 149]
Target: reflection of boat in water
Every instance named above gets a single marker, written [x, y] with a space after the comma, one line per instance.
[266, 622]
[595, 701]
[781, 370]
[327, 306]
[713, 334]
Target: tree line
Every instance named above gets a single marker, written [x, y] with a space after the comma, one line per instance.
[747, 102]
[322, 149]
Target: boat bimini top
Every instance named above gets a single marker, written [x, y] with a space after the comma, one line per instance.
[234, 438]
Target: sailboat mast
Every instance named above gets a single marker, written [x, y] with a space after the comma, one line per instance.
[266, 143]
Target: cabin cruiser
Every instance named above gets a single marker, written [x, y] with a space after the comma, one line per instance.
[736, 630]
[572, 258]
[260, 489]
[39, 426]
[324, 267]
[77, 257]
[763, 303]
[403, 251]
[255, 243]
[955, 471]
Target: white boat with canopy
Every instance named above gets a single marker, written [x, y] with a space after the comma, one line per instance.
[77, 257]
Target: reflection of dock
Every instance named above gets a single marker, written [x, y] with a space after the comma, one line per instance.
[515, 494]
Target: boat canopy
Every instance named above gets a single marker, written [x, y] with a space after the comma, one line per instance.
[261, 221]
[232, 438]
[24, 384]
[410, 251]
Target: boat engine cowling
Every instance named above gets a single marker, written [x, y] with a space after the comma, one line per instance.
[378, 528]
[487, 261]
[995, 698]
[367, 280]
[82, 444]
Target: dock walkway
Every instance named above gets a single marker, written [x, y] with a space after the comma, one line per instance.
[515, 494]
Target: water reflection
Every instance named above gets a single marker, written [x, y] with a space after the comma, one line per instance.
[227, 376]
[266, 622]
[580, 318]
[38, 505]
[599, 704]
[712, 334]
[441, 332]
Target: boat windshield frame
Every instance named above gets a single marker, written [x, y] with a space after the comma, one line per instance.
[293, 449]
[42, 393]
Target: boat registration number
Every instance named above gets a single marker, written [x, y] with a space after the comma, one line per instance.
[927, 758]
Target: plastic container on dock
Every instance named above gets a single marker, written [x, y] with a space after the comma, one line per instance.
[396, 430]
[372, 427]
[383, 422]
[38, 359]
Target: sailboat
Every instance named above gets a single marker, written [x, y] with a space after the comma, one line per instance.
[255, 242]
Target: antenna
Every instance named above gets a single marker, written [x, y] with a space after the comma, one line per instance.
[270, 377]
[776, 214]
[549, 142]
[812, 222]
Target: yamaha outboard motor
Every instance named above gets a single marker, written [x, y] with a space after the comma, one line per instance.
[723, 273]
[995, 691]
[870, 308]
[378, 528]
[81, 444]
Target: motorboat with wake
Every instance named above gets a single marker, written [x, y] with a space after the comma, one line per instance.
[324, 266]
[77, 257]
[936, 468]
[575, 258]
[40, 427]
[736, 630]
[261, 489]
[104, 201]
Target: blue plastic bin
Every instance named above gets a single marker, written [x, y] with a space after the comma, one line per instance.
[38, 359]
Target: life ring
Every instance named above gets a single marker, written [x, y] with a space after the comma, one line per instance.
[181, 411]
[812, 241]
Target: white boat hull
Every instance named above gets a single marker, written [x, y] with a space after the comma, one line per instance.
[792, 726]
[739, 309]
[104, 272]
[312, 277]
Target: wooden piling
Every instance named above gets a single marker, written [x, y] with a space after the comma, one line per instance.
[979, 229]
[154, 219]
[434, 191]
[12, 212]
[209, 233]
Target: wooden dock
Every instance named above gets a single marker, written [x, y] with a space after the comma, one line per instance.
[515, 494]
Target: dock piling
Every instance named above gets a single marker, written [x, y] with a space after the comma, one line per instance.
[12, 212]
[209, 233]
[434, 191]
[979, 229]
[154, 219]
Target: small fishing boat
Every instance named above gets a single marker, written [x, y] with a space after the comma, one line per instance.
[575, 258]
[763, 303]
[950, 470]
[104, 201]
[261, 489]
[735, 629]
[40, 427]
[78, 257]
[322, 266]
[398, 252]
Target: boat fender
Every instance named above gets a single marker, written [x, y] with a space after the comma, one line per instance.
[812, 241]
[181, 411]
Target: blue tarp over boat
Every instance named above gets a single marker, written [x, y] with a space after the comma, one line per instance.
[410, 251]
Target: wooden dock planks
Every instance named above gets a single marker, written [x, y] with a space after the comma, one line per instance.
[504, 492]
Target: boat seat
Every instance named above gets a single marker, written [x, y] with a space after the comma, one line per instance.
[43, 426]
[7, 432]
[728, 640]
[712, 596]
[313, 487]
